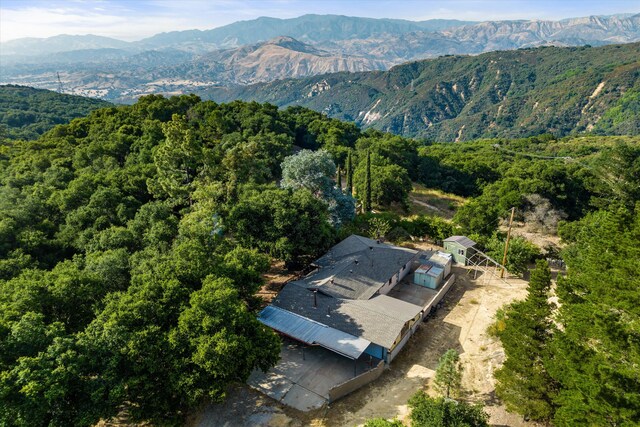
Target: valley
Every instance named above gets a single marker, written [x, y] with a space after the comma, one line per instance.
[267, 49]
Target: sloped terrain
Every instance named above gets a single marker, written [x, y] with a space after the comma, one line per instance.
[498, 94]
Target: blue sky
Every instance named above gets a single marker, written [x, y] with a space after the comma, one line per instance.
[133, 19]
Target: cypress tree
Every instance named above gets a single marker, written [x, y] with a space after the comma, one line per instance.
[523, 382]
[339, 172]
[366, 207]
[349, 174]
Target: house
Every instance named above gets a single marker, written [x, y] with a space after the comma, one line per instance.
[434, 267]
[461, 247]
[343, 306]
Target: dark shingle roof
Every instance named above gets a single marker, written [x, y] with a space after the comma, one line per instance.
[357, 267]
[461, 240]
[379, 320]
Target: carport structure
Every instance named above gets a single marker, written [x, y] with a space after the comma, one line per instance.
[311, 332]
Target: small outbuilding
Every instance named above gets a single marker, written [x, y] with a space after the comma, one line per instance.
[435, 266]
[461, 247]
[428, 275]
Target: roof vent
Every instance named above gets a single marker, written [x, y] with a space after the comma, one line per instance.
[371, 247]
[356, 262]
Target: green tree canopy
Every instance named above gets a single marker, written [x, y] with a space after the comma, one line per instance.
[443, 412]
[448, 378]
[523, 382]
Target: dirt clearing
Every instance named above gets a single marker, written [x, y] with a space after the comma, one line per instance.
[429, 201]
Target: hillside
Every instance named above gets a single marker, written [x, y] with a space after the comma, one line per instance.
[276, 59]
[133, 243]
[26, 113]
[499, 94]
[248, 52]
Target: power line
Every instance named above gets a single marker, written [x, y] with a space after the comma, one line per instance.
[498, 146]
[612, 182]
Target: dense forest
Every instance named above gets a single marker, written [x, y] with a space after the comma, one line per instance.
[27, 113]
[508, 94]
[132, 243]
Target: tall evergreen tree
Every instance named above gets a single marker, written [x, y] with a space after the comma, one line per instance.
[523, 382]
[448, 374]
[596, 352]
[339, 173]
[366, 207]
[349, 174]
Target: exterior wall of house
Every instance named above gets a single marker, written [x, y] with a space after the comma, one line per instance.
[409, 329]
[397, 277]
[394, 352]
[376, 351]
[405, 270]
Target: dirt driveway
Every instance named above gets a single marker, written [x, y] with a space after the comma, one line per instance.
[461, 324]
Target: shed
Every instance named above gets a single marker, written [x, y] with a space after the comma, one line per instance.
[461, 247]
[439, 259]
[428, 275]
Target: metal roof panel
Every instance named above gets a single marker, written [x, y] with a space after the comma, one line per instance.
[312, 332]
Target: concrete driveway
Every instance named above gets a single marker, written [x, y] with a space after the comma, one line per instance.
[303, 377]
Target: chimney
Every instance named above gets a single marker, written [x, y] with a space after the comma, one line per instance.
[315, 298]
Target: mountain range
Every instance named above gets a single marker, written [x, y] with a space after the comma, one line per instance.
[268, 49]
[516, 93]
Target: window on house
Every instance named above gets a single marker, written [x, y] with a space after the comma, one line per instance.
[460, 251]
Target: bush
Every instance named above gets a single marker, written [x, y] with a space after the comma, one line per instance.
[442, 412]
[398, 234]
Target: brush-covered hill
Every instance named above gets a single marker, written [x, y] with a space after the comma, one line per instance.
[26, 113]
[275, 59]
[518, 93]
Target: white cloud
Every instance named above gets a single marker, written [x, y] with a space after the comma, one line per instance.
[131, 21]
[136, 19]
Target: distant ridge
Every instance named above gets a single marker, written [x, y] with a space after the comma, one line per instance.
[509, 94]
[267, 49]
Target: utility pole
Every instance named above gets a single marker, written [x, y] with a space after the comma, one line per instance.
[60, 88]
[506, 245]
